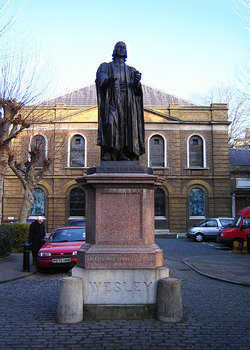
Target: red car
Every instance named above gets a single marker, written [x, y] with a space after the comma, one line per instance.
[60, 249]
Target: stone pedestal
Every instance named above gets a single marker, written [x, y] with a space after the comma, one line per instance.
[120, 264]
[119, 218]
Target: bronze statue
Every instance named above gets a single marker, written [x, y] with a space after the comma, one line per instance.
[121, 131]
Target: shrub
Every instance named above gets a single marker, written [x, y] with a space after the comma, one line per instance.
[21, 235]
[6, 238]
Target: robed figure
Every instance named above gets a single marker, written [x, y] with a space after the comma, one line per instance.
[36, 236]
[121, 132]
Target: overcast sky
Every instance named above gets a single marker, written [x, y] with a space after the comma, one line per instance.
[180, 46]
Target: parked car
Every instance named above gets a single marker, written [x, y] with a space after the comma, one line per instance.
[80, 222]
[238, 231]
[60, 248]
[208, 229]
[28, 221]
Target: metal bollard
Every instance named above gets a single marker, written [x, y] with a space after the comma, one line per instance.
[26, 257]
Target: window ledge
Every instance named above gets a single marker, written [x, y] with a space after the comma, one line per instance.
[159, 167]
[76, 168]
[160, 218]
[197, 217]
[196, 168]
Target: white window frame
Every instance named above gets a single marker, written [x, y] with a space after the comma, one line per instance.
[164, 150]
[85, 150]
[204, 151]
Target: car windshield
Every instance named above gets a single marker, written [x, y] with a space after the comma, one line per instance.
[202, 223]
[67, 235]
[236, 222]
[78, 223]
[226, 222]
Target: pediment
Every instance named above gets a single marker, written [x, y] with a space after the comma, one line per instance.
[90, 114]
[79, 115]
[154, 116]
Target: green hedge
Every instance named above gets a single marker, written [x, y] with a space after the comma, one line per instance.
[21, 236]
[13, 237]
[6, 239]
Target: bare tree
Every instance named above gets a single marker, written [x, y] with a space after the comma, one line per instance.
[23, 83]
[238, 109]
[25, 78]
[241, 8]
[31, 165]
[10, 11]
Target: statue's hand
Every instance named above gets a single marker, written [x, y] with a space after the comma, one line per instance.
[111, 80]
[137, 77]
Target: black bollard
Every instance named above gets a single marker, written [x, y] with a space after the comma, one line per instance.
[26, 257]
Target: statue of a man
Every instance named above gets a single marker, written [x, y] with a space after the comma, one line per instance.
[121, 132]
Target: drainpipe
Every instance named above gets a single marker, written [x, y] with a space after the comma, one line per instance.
[233, 205]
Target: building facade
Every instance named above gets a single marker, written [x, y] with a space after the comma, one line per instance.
[185, 144]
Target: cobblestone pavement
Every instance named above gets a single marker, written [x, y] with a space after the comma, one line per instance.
[216, 314]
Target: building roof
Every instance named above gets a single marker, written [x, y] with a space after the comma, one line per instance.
[86, 96]
[239, 156]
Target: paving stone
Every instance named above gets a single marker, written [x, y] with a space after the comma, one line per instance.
[216, 314]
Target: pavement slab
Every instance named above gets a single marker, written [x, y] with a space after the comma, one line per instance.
[234, 268]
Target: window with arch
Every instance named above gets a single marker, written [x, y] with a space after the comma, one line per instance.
[196, 156]
[196, 202]
[77, 151]
[38, 144]
[156, 151]
[77, 202]
[159, 199]
[38, 207]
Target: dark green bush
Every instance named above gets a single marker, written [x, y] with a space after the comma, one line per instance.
[21, 235]
[6, 238]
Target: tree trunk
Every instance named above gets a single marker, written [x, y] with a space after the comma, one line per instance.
[1, 197]
[3, 171]
[28, 200]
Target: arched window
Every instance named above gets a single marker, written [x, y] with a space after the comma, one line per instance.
[77, 202]
[156, 151]
[38, 145]
[159, 196]
[196, 157]
[77, 151]
[38, 207]
[196, 203]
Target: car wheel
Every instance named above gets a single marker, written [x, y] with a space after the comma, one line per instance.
[199, 237]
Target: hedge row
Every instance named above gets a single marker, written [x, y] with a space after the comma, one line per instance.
[13, 237]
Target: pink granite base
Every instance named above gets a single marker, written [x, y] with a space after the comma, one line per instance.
[119, 222]
[100, 256]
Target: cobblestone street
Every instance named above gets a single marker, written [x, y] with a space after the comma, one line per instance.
[216, 313]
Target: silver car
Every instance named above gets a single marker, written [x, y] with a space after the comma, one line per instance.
[208, 229]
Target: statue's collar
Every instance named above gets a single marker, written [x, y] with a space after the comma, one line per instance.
[119, 62]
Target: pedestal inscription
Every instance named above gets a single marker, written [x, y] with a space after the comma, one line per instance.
[120, 286]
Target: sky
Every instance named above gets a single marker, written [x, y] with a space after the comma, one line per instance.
[182, 47]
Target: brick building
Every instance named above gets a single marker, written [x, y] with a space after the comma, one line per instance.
[185, 143]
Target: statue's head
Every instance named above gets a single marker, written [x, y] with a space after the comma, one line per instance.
[120, 50]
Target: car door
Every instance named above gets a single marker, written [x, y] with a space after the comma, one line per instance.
[246, 229]
[211, 228]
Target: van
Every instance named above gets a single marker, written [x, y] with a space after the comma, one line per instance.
[238, 231]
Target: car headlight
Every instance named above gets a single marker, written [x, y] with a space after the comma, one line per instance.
[41, 254]
[74, 253]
